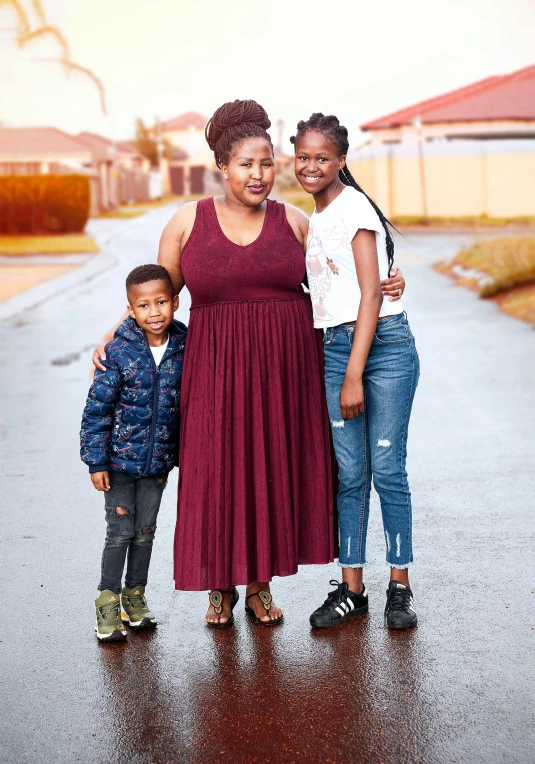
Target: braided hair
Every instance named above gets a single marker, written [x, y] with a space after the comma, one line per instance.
[331, 128]
[233, 122]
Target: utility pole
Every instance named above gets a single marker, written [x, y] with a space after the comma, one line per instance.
[280, 130]
[417, 123]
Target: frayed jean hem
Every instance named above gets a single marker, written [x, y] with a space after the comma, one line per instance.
[349, 565]
[397, 566]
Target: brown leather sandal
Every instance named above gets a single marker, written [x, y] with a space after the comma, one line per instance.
[216, 601]
[266, 599]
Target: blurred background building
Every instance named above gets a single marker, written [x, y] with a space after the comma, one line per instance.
[468, 152]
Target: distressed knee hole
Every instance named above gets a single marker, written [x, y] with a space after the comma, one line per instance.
[121, 511]
[383, 443]
[146, 529]
[338, 425]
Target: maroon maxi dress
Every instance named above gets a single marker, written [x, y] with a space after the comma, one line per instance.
[255, 486]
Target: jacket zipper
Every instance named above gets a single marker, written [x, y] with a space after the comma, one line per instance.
[155, 405]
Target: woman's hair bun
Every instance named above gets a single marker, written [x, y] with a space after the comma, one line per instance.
[230, 121]
[235, 114]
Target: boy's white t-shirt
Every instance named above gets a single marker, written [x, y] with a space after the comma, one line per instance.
[158, 352]
[332, 276]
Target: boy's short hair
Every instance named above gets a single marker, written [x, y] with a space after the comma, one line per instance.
[150, 272]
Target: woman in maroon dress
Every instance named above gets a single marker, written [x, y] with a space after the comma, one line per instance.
[255, 486]
[255, 483]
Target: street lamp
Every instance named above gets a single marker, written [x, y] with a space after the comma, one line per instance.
[417, 124]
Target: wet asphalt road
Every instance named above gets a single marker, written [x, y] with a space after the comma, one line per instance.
[459, 688]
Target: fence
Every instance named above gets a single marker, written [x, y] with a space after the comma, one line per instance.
[462, 177]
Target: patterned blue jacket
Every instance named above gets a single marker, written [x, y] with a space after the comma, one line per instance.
[131, 418]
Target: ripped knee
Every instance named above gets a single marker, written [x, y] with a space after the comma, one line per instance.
[145, 535]
[121, 511]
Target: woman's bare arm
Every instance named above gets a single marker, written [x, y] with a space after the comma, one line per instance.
[299, 224]
[172, 241]
[367, 266]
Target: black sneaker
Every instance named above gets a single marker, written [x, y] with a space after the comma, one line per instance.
[339, 606]
[399, 610]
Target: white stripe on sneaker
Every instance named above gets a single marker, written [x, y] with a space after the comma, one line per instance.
[339, 610]
[350, 603]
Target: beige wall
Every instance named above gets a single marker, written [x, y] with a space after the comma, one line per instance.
[408, 133]
[498, 185]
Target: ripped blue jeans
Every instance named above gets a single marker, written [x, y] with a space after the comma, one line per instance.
[374, 444]
[130, 534]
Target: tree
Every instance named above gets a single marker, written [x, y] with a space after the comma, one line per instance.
[32, 25]
[147, 145]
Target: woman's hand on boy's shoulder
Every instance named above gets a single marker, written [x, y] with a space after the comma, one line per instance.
[101, 480]
[99, 355]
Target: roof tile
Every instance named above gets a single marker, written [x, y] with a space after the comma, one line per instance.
[511, 96]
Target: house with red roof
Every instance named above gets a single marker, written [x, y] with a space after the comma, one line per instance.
[467, 152]
[117, 173]
[44, 150]
[191, 168]
[123, 170]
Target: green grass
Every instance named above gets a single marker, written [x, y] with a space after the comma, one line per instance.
[503, 263]
[123, 212]
[520, 303]
[467, 220]
[66, 244]
[300, 199]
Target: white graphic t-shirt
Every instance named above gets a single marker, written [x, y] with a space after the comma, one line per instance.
[332, 276]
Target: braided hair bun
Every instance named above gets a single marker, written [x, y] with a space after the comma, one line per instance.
[233, 122]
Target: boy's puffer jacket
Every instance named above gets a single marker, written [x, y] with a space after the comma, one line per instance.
[131, 418]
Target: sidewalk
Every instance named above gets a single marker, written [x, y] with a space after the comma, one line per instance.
[18, 275]
[33, 279]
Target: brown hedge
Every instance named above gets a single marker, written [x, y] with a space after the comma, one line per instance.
[37, 204]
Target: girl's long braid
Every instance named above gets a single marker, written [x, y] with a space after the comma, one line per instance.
[330, 127]
[348, 180]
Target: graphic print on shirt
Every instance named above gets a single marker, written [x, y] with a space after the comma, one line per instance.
[336, 237]
[319, 276]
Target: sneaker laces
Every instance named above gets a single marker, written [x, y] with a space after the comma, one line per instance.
[110, 610]
[335, 597]
[137, 601]
[400, 599]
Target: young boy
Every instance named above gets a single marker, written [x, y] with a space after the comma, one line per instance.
[129, 439]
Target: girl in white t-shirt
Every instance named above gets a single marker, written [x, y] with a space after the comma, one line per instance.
[371, 369]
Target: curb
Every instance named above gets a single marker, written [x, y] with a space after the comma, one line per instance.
[39, 294]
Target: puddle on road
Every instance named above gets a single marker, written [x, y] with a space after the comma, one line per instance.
[66, 360]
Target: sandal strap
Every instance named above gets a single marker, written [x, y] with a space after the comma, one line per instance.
[265, 598]
[217, 601]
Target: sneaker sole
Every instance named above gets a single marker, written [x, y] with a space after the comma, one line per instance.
[399, 628]
[115, 636]
[352, 614]
[146, 623]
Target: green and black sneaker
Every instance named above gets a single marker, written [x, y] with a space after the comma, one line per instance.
[109, 626]
[135, 610]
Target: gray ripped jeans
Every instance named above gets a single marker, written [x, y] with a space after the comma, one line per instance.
[131, 533]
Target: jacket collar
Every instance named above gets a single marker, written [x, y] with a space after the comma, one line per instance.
[130, 331]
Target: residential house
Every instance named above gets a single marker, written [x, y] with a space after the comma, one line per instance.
[191, 167]
[125, 173]
[468, 152]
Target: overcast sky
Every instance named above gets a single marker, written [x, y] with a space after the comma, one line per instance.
[356, 59]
